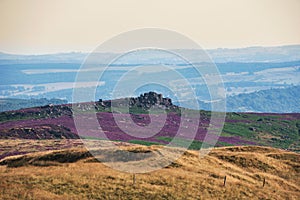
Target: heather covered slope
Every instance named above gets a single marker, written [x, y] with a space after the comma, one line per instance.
[56, 122]
[73, 174]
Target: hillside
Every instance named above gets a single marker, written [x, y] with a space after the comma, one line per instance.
[7, 104]
[74, 174]
[56, 122]
[273, 100]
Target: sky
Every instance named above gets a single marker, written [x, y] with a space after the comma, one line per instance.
[52, 26]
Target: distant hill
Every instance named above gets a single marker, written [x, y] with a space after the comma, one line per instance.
[72, 57]
[221, 55]
[273, 100]
[7, 104]
[243, 71]
[257, 54]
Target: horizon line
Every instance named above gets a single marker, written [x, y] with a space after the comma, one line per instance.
[206, 49]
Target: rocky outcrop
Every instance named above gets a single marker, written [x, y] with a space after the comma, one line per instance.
[144, 101]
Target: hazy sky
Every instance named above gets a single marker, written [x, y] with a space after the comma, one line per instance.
[48, 26]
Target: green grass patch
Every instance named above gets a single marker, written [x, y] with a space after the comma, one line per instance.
[180, 142]
[224, 144]
[240, 129]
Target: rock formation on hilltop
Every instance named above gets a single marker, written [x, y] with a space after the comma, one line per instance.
[144, 101]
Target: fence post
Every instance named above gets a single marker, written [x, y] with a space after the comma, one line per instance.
[224, 181]
[264, 182]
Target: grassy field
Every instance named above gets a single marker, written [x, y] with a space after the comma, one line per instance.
[74, 174]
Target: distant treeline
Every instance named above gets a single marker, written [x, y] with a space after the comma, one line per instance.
[7, 104]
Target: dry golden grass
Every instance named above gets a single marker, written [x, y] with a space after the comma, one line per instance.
[79, 176]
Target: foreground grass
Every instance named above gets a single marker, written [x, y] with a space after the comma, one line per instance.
[79, 176]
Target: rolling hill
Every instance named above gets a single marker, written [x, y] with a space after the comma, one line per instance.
[56, 122]
[272, 100]
[251, 173]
